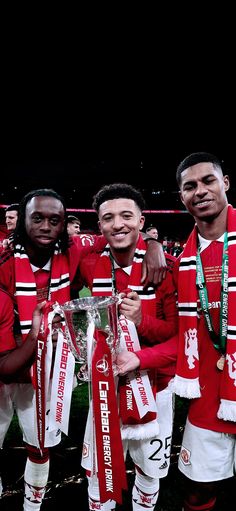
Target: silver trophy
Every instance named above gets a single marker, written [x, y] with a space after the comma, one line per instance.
[82, 317]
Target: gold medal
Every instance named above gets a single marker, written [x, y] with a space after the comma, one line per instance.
[221, 362]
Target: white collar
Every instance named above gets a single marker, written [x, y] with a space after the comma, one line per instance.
[205, 243]
[47, 267]
[127, 269]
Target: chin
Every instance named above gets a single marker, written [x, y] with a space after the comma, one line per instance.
[120, 249]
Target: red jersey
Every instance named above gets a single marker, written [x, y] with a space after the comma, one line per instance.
[203, 410]
[7, 340]
[152, 330]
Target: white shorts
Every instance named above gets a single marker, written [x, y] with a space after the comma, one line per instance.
[151, 455]
[207, 455]
[21, 398]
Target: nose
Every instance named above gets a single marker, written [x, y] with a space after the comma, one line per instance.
[201, 189]
[118, 223]
[45, 225]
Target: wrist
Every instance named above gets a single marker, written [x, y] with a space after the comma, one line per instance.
[152, 239]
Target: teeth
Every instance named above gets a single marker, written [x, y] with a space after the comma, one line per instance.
[202, 203]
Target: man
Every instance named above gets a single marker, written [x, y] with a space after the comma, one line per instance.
[152, 315]
[11, 216]
[14, 358]
[73, 225]
[41, 267]
[11, 364]
[206, 369]
[37, 270]
[177, 249]
[152, 231]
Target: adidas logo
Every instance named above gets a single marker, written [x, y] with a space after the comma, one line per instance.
[164, 465]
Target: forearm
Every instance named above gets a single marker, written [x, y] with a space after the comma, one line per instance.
[15, 361]
[156, 330]
[162, 356]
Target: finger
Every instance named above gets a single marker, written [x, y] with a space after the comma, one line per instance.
[41, 305]
[161, 275]
[144, 272]
[133, 295]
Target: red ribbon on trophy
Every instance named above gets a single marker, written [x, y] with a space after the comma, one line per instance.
[39, 376]
[110, 458]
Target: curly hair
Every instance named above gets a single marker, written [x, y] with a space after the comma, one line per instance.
[118, 191]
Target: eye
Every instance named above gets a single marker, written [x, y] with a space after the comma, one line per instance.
[188, 187]
[209, 180]
[36, 218]
[127, 216]
[54, 221]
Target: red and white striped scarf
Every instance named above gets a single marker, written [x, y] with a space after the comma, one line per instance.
[26, 292]
[26, 298]
[102, 285]
[186, 382]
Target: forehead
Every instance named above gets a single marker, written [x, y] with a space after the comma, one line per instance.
[12, 213]
[46, 205]
[198, 171]
[116, 206]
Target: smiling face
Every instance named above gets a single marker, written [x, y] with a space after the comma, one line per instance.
[203, 190]
[44, 222]
[120, 221]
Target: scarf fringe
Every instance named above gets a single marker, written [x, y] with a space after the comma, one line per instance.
[227, 410]
[185, 387]
[140, 431]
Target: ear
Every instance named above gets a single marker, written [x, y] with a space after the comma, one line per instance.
[181, 196]
[226, 182]
[99, 226]
[142, 222]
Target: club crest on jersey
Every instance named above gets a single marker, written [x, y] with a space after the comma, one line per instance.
[185, 456]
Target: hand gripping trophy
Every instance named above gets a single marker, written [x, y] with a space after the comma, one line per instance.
[88, 321]
[93, 337]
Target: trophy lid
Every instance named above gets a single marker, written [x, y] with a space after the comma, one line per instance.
[89, 303]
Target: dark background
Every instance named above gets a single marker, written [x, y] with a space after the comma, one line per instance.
[79, 180]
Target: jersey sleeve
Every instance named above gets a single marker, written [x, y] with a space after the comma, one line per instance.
[7, 341]
[161, 356]
[165, 324]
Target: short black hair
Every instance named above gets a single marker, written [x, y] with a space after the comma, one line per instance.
[12, 207]
[194, 159]
[118, 191]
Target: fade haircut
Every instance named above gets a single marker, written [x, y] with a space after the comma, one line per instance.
[118, 191]
[20, 233]
[194, 159]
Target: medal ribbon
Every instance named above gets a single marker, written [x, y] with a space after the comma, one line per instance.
[219, 341]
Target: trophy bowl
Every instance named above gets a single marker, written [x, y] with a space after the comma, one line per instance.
[82, 317]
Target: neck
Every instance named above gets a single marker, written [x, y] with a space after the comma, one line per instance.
[123, 258]
[213, 228]
[38, 258]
